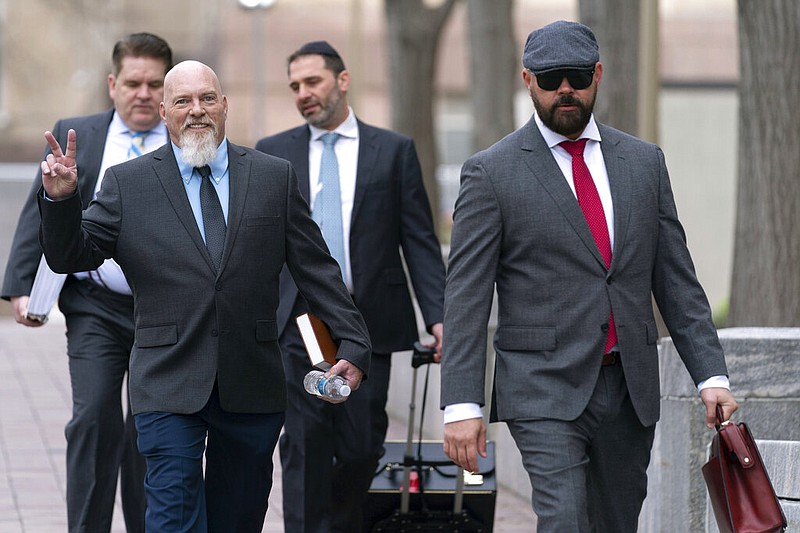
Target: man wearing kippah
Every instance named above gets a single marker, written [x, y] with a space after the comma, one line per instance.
[574, 224]
[365, 190]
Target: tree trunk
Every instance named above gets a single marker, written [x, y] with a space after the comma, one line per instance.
[765, 289]
[616, 25]
[413, 33]
[495, 67]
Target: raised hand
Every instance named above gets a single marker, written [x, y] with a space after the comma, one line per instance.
[59, 170]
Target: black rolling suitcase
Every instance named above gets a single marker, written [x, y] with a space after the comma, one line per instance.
[419, 489]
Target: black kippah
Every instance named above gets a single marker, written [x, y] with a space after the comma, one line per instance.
[318, 47]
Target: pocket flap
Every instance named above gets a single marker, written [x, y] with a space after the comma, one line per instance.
[526, 338]
[157, 335]
[262, 221]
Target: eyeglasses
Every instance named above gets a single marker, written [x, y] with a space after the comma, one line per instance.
[579, 79]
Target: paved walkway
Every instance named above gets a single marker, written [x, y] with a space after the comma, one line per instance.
[35, 406]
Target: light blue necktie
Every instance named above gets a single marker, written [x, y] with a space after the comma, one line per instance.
[137, 143]
[328, 203]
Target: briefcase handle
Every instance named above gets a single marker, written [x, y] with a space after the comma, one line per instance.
[734, 441]
[721, 422]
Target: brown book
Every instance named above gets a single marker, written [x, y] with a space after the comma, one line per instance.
[319, 344]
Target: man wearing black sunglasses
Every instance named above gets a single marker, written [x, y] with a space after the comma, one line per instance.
[574, 225]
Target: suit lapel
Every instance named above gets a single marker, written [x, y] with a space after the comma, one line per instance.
[166, 168]
[92, 144]
[619, 178]
[540, 160]
[238, 182]
[368, 151]
[298, 155]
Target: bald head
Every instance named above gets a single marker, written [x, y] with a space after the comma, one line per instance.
[193, 102]
[188, 73]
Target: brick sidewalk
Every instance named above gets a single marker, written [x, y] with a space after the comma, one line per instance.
[34, 407]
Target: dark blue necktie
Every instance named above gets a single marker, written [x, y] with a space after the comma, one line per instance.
[213, 217]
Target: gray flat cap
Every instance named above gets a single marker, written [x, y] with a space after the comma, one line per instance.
[560, 45]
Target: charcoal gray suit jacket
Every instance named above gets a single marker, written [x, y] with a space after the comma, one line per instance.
[517, 225]
[196, 326]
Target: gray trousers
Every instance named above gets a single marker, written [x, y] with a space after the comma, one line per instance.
[588, 474]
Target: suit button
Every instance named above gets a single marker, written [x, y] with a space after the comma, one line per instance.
[604, 328]
[214, 333]
[608, 280]
[218, 287]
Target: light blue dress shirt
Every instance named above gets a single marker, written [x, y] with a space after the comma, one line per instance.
[220, 178]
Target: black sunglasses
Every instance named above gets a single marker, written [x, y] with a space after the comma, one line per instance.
[579, 79]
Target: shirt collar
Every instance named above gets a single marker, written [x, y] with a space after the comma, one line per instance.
[553, 139]
[348, 128]
[118, 127]
[218, 166]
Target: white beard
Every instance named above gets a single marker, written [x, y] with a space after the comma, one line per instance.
[198, 148]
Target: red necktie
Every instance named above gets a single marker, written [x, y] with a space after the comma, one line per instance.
[592, 208]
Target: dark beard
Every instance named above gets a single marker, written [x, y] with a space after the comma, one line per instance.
[327, 112]
[566, 124]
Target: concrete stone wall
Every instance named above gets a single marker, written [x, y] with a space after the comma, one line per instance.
[764, 365]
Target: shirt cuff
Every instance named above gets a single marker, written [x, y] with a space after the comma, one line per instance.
[461, 411]
[721, 382]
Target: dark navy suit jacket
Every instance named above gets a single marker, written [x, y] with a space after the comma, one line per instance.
[391, 212]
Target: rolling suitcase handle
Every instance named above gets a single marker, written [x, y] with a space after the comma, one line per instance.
[422, 355]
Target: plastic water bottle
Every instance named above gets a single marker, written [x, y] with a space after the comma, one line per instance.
[333, 388]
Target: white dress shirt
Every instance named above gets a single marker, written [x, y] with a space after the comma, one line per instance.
[118, 142]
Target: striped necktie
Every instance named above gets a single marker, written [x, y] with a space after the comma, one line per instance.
[137, 143]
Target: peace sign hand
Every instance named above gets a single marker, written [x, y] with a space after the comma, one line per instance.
[59, 170]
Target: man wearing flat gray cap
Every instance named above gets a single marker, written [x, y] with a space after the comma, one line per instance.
[574, 224]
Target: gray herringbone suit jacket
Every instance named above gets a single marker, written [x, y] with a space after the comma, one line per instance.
[517, 223]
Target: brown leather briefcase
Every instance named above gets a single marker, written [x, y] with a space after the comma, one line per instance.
[739, 487]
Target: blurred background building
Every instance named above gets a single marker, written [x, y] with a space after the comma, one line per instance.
[55, 57]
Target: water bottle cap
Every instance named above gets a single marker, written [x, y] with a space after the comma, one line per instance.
[345, 390]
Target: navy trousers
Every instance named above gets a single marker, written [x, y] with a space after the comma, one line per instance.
[232, 496]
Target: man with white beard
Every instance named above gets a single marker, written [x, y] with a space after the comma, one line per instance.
[201, 228]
